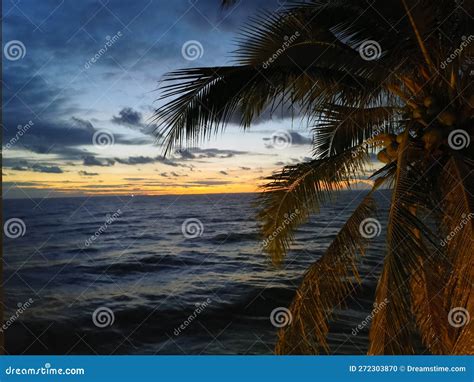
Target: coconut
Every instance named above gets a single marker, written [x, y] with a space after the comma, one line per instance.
[386, 138]
[447, 118]
[392, 150]
[432, 137]
[383, 157]
[418, 113]
[428, 101]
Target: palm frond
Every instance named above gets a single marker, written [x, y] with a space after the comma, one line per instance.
[429, 307]
[296, 191]
[341, 127]
[457, 189]
[287, 38]
[419, 37]
[325, 286]
[205, 99]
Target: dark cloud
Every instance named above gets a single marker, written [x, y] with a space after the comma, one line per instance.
[86, 173]
[186, 154]
[19, 168]
[291, 137]
[91, 160]
[63, 139]
[168, 162]
[24, 165]
[136, 160]
[47, 169]
[298, 139]
[210, 182]
[128, 117]
[223, 172]
[198, 153]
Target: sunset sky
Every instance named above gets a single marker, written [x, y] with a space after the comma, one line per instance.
[66, 90]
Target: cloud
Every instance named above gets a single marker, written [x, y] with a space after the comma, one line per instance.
[223, 172]
[47, 169]
[63, 139]
[209, 182]
[291, 137]
[136, 160]
[85, 173]
[198, 153]
[91, 160]
[298, 139]
[19, 168]
[128, 117]
[186, 154]
[24, 165]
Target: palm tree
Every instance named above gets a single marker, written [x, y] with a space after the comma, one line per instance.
[391, 77]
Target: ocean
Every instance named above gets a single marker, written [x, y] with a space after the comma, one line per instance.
[163, 275]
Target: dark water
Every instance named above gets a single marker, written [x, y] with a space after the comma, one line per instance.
[152, 278]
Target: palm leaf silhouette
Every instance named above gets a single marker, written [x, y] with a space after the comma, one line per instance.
[326, 285]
